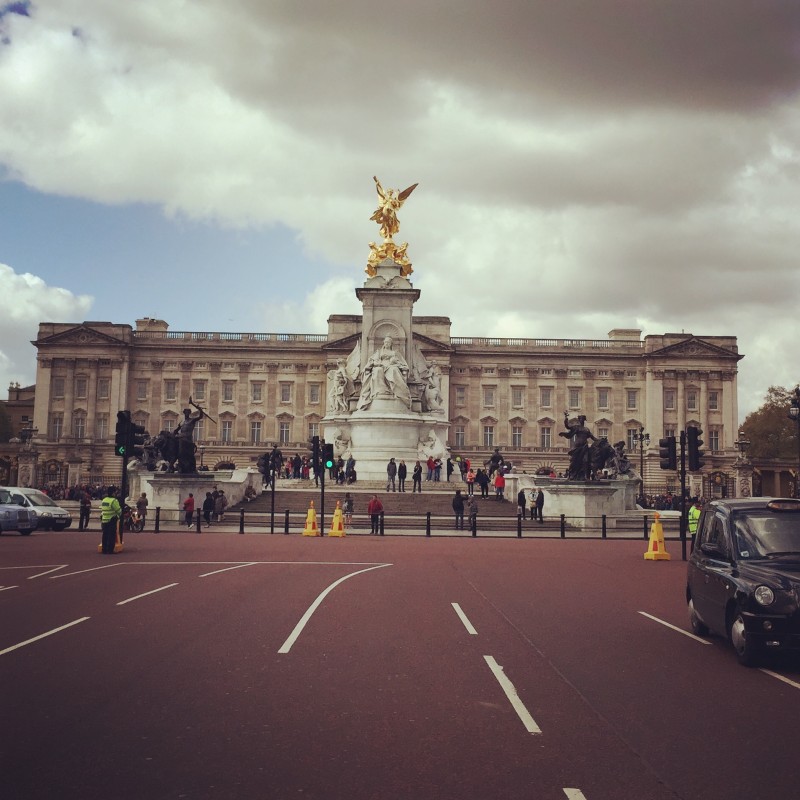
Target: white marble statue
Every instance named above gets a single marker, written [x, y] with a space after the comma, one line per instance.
[386, 372]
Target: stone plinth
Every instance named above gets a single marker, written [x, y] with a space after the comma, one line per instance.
[168, 490]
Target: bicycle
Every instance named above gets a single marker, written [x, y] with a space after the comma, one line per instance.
[132, 520]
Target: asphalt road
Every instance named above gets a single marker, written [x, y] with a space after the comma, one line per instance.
[258, 666]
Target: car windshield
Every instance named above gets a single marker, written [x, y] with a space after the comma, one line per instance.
[761, 533]
[5, 497]
[39, 499]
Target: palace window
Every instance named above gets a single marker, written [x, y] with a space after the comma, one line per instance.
[58, 387]
[713, 401]
[197, 433]
[691, 400]
[170, 391]
[284, 433]
[488, 396]
[226, 431]
[141, 389]
[516, 436]
[103, 388]
[79, 426]
[488, 435]
[286, 394]
[545, 436]
[101, 426]
[545, 396]
[56, 426]
[199, 390]
[574, 398]
[227, 391]
[255, 431]
[313, 394]
[81, 387]
[461, 395]
[631, 399]
[601, 432]
[713, 440]
[460, 436]
[630, 439]
[669, 399]
[602, 398]
[256, 392]
[669, 432]
[517, 396]
[313, 430]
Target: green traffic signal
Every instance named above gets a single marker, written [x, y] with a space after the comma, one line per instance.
[327, 455]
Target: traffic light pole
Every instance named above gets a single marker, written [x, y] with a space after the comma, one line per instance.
[683, 496]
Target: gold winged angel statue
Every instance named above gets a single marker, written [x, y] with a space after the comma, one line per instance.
[390, 203]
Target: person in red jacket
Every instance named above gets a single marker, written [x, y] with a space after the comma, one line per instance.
[188, 510]
[375, 509]
[499, 484]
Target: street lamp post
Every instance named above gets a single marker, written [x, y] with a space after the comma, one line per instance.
[202, 453]
[794, 414]
[643, 440]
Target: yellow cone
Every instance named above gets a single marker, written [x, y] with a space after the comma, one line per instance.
[337, 525]
[311, 528]
[656, 550]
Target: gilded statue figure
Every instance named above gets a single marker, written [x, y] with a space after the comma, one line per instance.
[390, 203]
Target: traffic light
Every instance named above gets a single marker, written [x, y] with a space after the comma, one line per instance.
[327, 456]
[136, 439]
[668, 453]
[123, 429]
[693, 444]
[315, 454]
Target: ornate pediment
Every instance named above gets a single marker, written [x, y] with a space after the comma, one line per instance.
[693, 348]
[81, 335]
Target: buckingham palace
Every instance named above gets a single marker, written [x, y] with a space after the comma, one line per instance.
[266, 388]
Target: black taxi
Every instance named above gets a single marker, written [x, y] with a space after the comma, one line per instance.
[743, 578]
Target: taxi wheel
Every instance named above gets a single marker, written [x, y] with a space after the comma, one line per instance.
[699, 628]
[745, 651]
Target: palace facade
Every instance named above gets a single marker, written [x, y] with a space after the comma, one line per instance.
[262, 388]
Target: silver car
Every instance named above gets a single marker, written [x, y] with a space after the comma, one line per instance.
[46, 514]
[14, 515]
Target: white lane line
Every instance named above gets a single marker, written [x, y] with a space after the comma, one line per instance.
[574, 794]
[145, 594]
[780, 678]
[674, 628]
[227, 569]
[463, 617]
[42, 636]
[6, 588]
[298, 629]
[41, 574]
[513, 697]
[81, 571]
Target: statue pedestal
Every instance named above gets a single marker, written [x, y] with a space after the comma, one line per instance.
[578, 500]
[168, 490]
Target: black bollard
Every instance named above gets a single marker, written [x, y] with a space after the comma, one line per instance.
[519, 526]
[158, 520]
[563, 526]
[241, 520]
[428, 524]
[198, 521]
[286, 522]
[381, 529]
[604, 526]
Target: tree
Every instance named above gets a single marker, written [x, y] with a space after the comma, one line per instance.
[771, 432]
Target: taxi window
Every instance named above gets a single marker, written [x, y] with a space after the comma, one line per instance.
[716, 535]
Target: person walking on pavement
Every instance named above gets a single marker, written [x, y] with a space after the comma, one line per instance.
[694, 516]
[538, 504]
[402, 472]
[208, 508]
[472, 511]
[188, 510]
[375, 509]
[391, 474]
[347, 507]
[416, 478]
[458, 509]
[521, 501]
[85, 510]
[141, 508]
[110, 515]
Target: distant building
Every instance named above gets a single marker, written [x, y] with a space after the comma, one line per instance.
[263, 388]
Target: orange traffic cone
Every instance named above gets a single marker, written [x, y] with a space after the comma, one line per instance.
[337, 525]
[656, 550]
[311, 528]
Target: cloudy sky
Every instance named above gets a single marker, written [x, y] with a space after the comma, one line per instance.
[582, 166]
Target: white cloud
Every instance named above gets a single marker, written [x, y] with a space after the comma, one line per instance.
[28, 301]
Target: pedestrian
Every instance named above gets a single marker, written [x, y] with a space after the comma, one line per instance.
[215, 495]
[449, 468]
[458, 509]
[694, 516]
[499, 485]
[521, 502]
[85, 510]
[416, 478]
[470, 482]
[539, 504]
[472, 510]
[347, 508]
[188, 510]
[141, 508]
[375, 509]
[430, 463]
[110, 515]
[391, 474]
[208, 508]
[437, 469]
[402, 472]
[220, 504]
